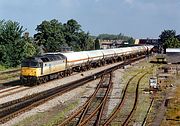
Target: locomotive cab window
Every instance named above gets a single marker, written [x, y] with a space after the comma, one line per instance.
[30, 64]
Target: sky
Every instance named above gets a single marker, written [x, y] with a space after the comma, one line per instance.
[136, 18]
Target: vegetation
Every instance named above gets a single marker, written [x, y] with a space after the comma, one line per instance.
[54, 35]
[51, 35]
[169, 39]
[113, 37]
[13, 47]
[2, 68]
[97, 44]
[120, 36]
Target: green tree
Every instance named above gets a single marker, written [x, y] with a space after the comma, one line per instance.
[113, 37]
[168, 39]
[166, 34]
[53, 35]
[12, 45]
[84, 42]
[50, 35]
[172, 42]
[178, 37]
[30, 48]
[72, 26]
[131, 41]
[75, 37]
[97, 45]
[71, 32]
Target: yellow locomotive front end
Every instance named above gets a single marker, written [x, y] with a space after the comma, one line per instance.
[40, 69]
[30, 70]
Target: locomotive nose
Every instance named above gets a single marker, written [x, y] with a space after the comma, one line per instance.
[26, 71]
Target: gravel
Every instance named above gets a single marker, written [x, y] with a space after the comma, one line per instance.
[116, 91]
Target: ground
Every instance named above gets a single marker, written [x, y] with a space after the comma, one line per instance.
[166, 107]
[172, 114]
[165, 110]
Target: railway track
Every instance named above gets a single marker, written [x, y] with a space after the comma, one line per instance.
[12, 90]
[113, 118]
[82, 113]
[92, 111]
[13, 108]
[9, 71]
[135, 103]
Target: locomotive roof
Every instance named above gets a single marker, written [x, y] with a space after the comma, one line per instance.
[46, 58]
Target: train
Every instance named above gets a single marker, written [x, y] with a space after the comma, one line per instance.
[48, 66]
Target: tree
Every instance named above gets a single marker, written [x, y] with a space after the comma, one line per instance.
[12, 45]
[50, 35]
[84, 42]
[166, 34]
[178, 37]
[97, 45]
[53, 35]
[71, 32]
[113, 37]
[172, 42]
[30, 48]
[169, 40]
[131, 41]
[72, 26]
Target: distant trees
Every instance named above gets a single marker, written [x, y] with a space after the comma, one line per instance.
[169, 39]
[113, 37]
[13, 47]
[120, 36]
[97, 44]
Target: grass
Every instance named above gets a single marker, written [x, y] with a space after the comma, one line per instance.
[9, 76]
[62, 115]
[5, 68]
[2, 68]
[48, 118]
[30, 119]
[173, 108]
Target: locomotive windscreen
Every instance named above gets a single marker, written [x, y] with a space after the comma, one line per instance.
[30, 64]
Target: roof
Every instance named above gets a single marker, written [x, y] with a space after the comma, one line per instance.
[172, 50]
[46, 57]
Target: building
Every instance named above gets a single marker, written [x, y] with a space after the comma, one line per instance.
[173, 55]
[108, 44]
[147, 41]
